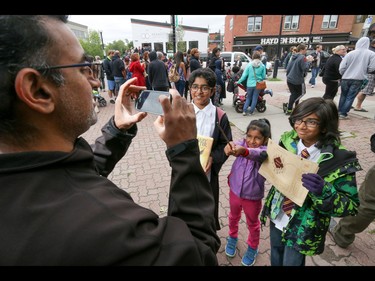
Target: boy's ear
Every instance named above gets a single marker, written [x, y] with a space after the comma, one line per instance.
[213, 90]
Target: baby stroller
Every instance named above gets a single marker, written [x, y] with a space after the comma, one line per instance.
[261, 103]
[98, 98]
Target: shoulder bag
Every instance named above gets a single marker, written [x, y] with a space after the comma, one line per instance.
[260, 85]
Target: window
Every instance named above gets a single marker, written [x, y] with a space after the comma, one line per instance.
[291, 22]
[193, 44]
[231, 24]
[158, 46]
[329, 21]
[181, 46]
[360, 18]
[254, 24]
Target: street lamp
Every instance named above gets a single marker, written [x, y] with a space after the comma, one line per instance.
[173, 22]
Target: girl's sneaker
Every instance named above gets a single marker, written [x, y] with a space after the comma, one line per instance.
[230, 248]
[249, 257]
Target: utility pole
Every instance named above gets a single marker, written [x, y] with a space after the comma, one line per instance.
[101, 37]
[276, 65]
[173, 33]
[311, 29]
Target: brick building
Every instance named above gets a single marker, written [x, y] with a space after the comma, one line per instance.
[244, 32]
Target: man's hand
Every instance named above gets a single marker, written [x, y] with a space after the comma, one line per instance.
[125, 113]
[313, 182]
[178, 123]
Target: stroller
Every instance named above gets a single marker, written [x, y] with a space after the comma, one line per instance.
[98, 98]
[241, 99]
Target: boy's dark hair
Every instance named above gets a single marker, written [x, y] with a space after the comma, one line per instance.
[206, 73]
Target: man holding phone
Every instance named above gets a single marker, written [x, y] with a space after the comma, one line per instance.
[58, 205]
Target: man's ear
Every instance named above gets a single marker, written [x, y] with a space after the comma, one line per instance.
[33, 90]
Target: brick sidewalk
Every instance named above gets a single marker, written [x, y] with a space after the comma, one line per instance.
[144, 172]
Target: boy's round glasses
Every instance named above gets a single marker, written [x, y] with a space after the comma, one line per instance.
[310, 123]
[205, 89]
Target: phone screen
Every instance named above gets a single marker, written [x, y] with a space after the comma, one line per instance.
[148, 101]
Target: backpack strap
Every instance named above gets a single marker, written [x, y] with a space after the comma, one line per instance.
[220, 113]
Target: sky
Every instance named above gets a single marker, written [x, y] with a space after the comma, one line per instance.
[118, 27]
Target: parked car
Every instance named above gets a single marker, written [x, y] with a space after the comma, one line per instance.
[229, 59]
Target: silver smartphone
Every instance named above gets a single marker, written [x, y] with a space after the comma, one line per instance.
[148, 101]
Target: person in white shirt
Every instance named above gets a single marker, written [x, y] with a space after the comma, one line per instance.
[202, 84]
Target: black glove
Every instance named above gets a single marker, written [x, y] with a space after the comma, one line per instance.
[263, 156]
[313, 182]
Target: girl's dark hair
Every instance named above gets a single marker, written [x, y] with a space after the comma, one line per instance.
[205, 73]
[327, 112]
[262, 125]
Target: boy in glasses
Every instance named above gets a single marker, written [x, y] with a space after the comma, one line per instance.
[300, 231]
[202, 83]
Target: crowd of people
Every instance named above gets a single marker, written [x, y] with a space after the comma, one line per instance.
[59, 208]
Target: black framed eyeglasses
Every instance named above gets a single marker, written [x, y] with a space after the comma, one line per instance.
[310, 123]
[87, 66]
[205, 89]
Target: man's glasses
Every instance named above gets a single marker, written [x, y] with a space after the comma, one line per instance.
[310, 123]
[86, 67]
[205, 89]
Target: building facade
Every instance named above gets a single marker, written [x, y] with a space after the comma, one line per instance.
[158, 36]
[80, 30]
[277, 33]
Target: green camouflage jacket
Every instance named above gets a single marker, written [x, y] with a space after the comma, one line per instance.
[309, 223]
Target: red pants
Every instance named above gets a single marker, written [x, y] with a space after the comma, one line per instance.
[252, 210]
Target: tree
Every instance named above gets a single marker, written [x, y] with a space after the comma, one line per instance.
[117, 45]
[92, 45]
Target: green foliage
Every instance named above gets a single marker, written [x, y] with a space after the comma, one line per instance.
[181, 46]
[93, 45]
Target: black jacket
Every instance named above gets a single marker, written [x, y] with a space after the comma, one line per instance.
[194, 64]
[107, 65]
[157, 73]
[331, 68]
[56, 209]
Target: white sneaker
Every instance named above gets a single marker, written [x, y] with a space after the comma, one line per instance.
[312, 86]
[244, 113]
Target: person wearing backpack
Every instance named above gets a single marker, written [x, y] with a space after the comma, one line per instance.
[202, 84]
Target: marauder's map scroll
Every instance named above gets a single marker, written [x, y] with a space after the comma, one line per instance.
[284, 170]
